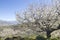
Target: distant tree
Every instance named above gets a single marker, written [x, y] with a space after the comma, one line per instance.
[46, 17]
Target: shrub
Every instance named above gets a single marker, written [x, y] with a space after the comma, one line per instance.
[40, 38]
[55, 38]
[27, 38]
[0, 38]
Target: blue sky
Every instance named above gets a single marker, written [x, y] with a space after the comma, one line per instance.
[9, 7]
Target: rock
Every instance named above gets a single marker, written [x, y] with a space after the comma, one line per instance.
[55, 34]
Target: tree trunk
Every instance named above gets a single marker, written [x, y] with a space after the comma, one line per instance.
[48, 33]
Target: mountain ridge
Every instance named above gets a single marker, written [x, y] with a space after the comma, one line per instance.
[5, 23]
